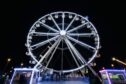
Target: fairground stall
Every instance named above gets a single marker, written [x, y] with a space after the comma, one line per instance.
[113, 76]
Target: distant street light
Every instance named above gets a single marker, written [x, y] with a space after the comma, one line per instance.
[113, 59]
[9, 59]
[112, 65]
[6, 65]
[95, 64]
[103, 67]
[22, 64]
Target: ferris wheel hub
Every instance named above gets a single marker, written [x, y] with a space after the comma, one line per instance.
[62, 32]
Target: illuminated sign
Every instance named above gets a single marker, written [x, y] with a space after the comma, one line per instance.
[112, 76]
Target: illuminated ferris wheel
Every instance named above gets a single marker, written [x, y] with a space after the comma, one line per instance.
[62, 41]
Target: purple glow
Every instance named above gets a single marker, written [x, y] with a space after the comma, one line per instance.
[109, 81]
[111, 70]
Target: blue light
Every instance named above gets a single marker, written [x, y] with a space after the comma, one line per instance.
[112, 70]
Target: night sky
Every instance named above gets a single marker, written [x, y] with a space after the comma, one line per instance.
[17, 17]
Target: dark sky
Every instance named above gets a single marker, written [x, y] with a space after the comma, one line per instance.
[17, 18]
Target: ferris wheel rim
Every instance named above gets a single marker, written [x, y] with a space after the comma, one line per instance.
[65, 71]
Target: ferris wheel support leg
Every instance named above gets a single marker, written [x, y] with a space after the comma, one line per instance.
[79, 56]
[92, 70]
[73, 49]
[52, 54]
[74, 57]
[47, 53]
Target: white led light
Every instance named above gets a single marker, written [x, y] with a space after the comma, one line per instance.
[63, 15]
[70, 16]
[37, 25]
[49, 18]
[56, 16]
[82, 21]
[88, 26]
[77, 18]
[43, 21]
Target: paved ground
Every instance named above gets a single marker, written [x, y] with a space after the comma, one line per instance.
[64, 82]
[73, 81]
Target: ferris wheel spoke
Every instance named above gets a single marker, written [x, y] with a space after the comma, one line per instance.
[48, 52]
[72, 54]
[71, 22]
[44, 34]
[80, 34]
[74, 51]
[86, 63]
[55, 22]
[43, 42]
[63, 16]
[48, 27]
[81, 43]
[52, 54]
[78, 27]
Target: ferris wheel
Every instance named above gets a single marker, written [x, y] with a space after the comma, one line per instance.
[63, 41]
